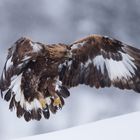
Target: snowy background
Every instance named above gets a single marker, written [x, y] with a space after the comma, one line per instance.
[51, 21]
[125, 127]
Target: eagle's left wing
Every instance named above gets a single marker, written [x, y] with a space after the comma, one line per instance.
[101, 62]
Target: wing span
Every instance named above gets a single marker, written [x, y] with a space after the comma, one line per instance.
[102, 62]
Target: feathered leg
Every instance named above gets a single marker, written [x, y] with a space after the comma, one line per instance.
[53, 88]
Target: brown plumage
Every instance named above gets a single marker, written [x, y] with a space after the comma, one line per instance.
[36, 77]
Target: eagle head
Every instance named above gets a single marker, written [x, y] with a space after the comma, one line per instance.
[59, 51]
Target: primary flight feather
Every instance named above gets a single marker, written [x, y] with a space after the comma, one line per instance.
[36, 77]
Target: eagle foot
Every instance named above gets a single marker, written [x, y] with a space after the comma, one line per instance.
[43, 103]
[57, 102]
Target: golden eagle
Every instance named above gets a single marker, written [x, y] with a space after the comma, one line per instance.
[36, 77]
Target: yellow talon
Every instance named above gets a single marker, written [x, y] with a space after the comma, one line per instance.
[57, 102]
[43, 103]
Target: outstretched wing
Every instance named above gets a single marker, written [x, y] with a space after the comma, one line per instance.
[20, 54]
[101, 62]
[17, 78]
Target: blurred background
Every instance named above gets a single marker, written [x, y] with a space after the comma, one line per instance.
[51, 21]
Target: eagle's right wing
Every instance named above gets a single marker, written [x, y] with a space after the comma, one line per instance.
[18, 60]
[19, 56]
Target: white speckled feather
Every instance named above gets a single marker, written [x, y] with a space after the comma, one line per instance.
[116, 69]
[16, 87]
[9, 63]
